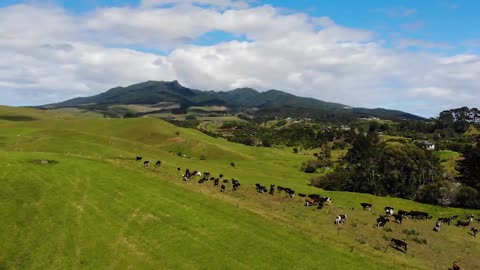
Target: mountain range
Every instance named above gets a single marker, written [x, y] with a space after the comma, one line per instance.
[272, 102]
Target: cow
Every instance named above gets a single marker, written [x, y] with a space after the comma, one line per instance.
[340, 219]
[280, 189]
[389, 210]
[310, 202]
[320, 205]
[158, 163]
[303, 195]
[225, 181]
[418, 215]
[398, 218]
[291, 193]
[445, 220]
[222, 188]
[366, 206]
[220, 176]
[438, 224]
[215, 182]
[382, 221]
[403, 213]
[146, 163]
[139, 158]
[464, 223]
[260, 188]
[399, 244]
[272, 189]
[235, 184]
[323, 200]
[187, 175]
[474, 231]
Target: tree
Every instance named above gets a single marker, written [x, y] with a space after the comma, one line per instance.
[469, 167]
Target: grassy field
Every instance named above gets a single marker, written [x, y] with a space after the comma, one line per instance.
[93, 206]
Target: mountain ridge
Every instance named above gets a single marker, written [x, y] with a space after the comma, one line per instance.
[237, 100]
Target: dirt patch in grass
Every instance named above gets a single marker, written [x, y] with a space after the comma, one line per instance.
[44, 162]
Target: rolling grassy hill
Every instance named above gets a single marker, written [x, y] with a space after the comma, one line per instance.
[93, 206]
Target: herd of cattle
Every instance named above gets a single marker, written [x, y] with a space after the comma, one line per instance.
[319, 201]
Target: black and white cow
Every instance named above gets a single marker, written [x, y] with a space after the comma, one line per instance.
[438, 224]
[446, 220]
[398, 218]
[389, 210]
[382, 221]
[340, 219]
[272, 189]
[158, 163]
[474, 231]
[399, 244]
[146, 163]
[464, 223]
[366, 206]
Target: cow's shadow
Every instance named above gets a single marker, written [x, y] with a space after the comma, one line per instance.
[397, 248]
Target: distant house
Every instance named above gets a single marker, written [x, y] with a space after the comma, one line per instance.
[426, 144]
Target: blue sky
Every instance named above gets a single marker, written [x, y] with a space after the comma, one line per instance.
[417, 56]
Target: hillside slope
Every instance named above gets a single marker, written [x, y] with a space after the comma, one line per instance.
[99, 208]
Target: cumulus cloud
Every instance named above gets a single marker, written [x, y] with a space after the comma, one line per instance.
[68, 55]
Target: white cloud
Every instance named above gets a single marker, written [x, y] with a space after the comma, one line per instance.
[405, 43]
[67, 55]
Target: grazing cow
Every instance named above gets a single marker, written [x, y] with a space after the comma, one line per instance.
[225, 181]
[222, 188]
[382, 221]
[389, 210]
[464, 223]
[201, 181]
[325, 200]
[187, 175]
[320, 205]
[438, 224]
[474, 231]
[260, 188]
[455, 266]
[235, 184]
[310, 202]
[291, 193]
[418, 215]
[445, 220]
[220, 176]
[403, 213]
[366, 206]
[303, 195]
[398, 218]
[272, 189]
[399, 244]
[280, 188]
[158, 163]
[340, 219]
[178, 169]
[139, 158]
[215, 182]
[146, 163]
